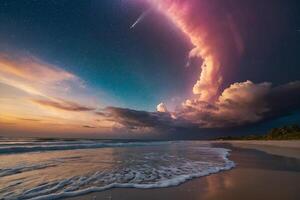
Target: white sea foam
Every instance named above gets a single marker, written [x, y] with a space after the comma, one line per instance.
[23, 168]
[144, 166]
[63, 145]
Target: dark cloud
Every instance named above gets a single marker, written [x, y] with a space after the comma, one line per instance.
[62, 104]
[284, 100]
[135, 120]
[8, 123]
[243, 103]
[87, 126]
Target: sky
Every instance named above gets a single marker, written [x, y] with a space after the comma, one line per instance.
[148, 68]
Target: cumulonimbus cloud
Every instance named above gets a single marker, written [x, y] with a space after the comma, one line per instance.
[216, 41]
[213, 35]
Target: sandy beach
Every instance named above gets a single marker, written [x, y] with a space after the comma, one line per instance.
[288, 148]
[257, 175]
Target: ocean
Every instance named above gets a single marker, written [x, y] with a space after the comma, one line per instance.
[53, 169]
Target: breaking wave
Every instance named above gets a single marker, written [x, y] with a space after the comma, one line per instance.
[135, 165]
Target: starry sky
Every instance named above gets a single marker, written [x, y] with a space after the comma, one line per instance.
[148, 68]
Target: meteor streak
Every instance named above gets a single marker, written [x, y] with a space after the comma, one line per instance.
[140, 18]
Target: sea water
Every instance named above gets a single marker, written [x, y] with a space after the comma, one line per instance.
[52, 169]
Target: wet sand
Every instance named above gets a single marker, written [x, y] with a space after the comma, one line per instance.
[258, 175]
[288, 148]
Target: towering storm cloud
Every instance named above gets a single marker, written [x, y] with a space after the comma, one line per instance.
[213, 34]
[212, 30]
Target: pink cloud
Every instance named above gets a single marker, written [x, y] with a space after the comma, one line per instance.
[213, 34]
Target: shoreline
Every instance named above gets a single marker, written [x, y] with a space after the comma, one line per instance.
[287, 148]
[250, 179]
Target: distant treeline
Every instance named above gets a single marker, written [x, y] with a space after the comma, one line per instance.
[291, 132]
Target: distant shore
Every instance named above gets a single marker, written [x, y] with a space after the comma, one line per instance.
[289, 132]
[258, 175]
